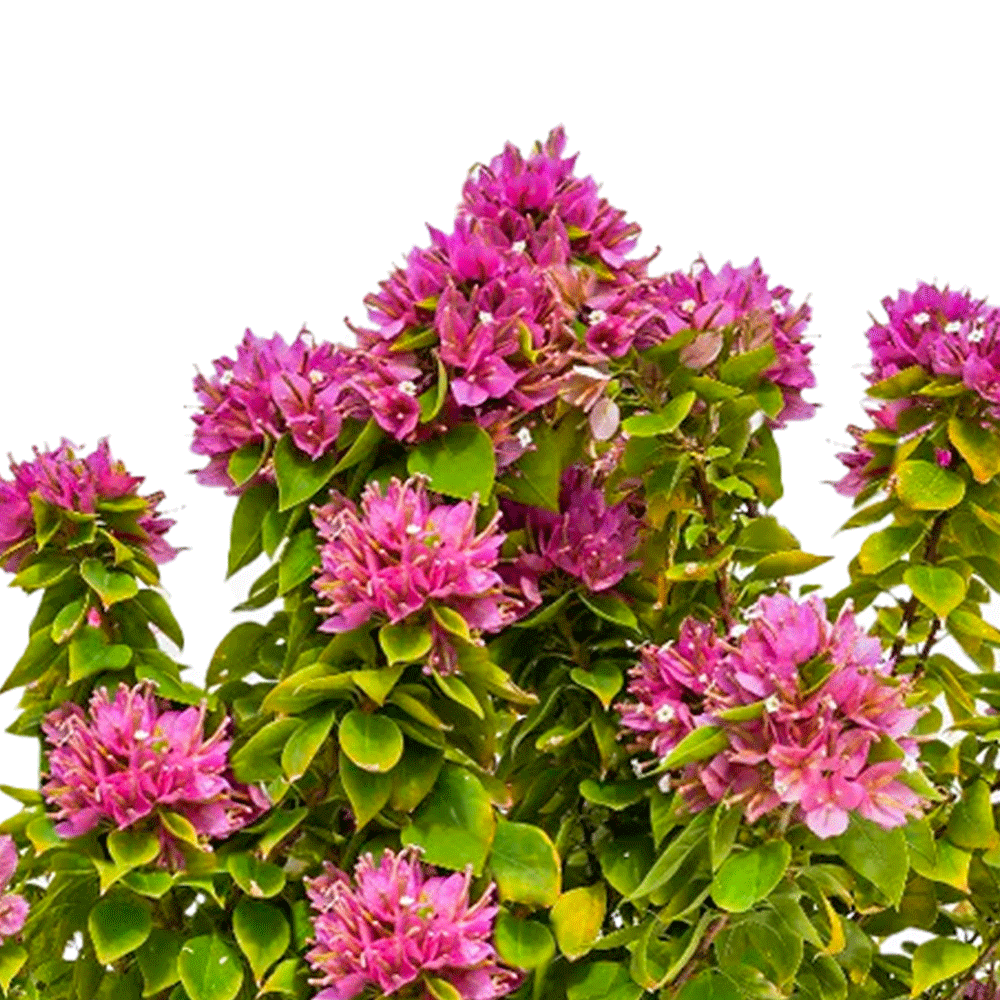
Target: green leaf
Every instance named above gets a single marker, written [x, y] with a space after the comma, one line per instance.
[304, 743]
[158, 611]
[625, 861]
[414, 776]
[132, 848]
[725, 826]
[879, 855]
[870, 514]
[299, 560]
[535, 478]
[705, 741]
[256, 759]
[675, 854]
[459, 464]
[245, 531]
[368, 793]
[404, 643]
[41, 832]
[926, 486]
[604, 680]
[941, 589]
[210, 969]
[433, 398]
[69, 619]
[41, 653]
[616, 796]
[454, 824]
[665, 422]
[610, 608]
[42, 573]
[525, 864]
[299, 477]
[12, 959]
[155, 884]
[363, 446]
[525, 944]
[969, 623]
[710, 985]
[789, 563]
[711, 390]
[577, 917]
[765, 534]
[245, 462]
[940, 959]
[118, 924]
[256, 878]
[750, 876]
[373, 742]
[971, 824]
[458, 691]
[977, 445]
[900, 385]
[158, 961]
[881, 550]
[284, 979]
[263, 934]
[741, 369]
[89, 654]
[110, 586]
[602, 981]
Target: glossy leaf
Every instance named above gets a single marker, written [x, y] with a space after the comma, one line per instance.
[979, 446]
[118, 924]
[245, 462]
[404, 643]
[940, 588]
[109, 585]
[304, 743]
[12, 959]
[299, 560]
[882, 549]
[525, 864]
[610, 608]
[133, 848]
[89, 654]
[664, 422]
[69, 619]
[299, 477]
[259, 879]
[603, 679]
[458, 464]
[879, 855]
[373, 742]
[535, 477]
[414, 776]
[750, 876]
[210, 969]
[971, 823]
[158, 961]
[926, 486]
[525, 944]
[577, 917]
[454, 824]
[705, 741]
[368, 793]
[262, 932]
[159, 613]
[940, 959]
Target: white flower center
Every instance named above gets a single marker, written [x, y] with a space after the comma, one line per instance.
[976, 336]
[524, 437]
[226, 377]
[316, 377]
[772, 703]
[406, 901]
[921, 318]
[597, 316]
[519, 246]
[407, 388]
[485, 316]
[953, 327]
[689, 305]
[413, 529]
[665, 713]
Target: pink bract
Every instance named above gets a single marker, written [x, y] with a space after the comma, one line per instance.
[94, 484]
[396, 922]
[13, 908]
[401, 553]
[130, 759]
[826, 697]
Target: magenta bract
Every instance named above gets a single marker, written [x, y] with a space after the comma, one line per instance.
[398, 921]
[13, 908]
[826, 698]
[129, 759]
[80, 485]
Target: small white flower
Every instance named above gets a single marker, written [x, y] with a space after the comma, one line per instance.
[519, 246]
[665, 713]
[597, 316]
[413, 529]
[772, 703]
[524, 437]
[976, 336]
[141, 734]
[617, 919]
[690, 569]
[485, 316]
[406, 901]
[921, 318]
[226, 377]
[953, 327]
[910, 764]
[636, 768]
[316, 377]
[689, 305]
[407, 387]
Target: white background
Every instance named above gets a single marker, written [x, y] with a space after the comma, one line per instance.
[172, 174]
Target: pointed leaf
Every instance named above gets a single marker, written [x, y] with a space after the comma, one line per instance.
[525, 944]
[210, 969]
[577, 917]
[705, 741]
[879, 855]
[926, 486]
[89, 654]
[664, 422]
[750, 876]
[259, 879]
[245, 462]
[604, 680]
[368, 793]
[69, 619]
[610, 608]
[304, 743]
[940, 588]
[299, 477]
[940, 959]
[459, 464]
[299, 560]
[414, 776]
[159, 613]
[109, 585]
[118, 924]
[262, 932]
[373, 742]
[525, 864]
[977, 445]
[881, 550]
[158, 961]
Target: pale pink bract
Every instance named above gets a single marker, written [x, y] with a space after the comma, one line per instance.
[131, 759]
[92, 484]
[396, 922]
[825, 696]
[13, 908]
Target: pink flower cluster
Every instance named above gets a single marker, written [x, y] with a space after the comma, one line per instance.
[401, 553]
[130, 758]
[822, 699]
[589, 540]
[396, 923]
[94, 484]
[306, 390]
[947, 333]
[13, 908]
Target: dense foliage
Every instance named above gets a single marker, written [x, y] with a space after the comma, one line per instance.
[537, 711]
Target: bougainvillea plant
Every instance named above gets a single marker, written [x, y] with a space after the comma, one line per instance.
[531, 704]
